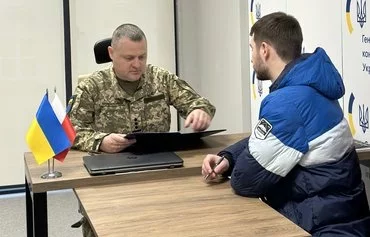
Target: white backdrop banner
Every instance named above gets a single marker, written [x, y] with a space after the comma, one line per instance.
[356, 66]
[321, 27]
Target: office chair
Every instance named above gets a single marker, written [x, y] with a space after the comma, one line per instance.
[101, 51]
[101, 55]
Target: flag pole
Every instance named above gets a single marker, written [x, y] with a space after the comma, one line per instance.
[51, 174]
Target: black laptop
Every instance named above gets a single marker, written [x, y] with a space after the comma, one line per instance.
[127, 162]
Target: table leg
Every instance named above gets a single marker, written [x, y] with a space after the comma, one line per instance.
[29, 213]
[37, 213]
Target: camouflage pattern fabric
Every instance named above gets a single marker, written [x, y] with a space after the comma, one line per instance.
[86, 229]
[100, 106]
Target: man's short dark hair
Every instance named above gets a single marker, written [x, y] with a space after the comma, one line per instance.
[131, 31]
[282, 31]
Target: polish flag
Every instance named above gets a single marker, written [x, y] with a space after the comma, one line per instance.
[63, 118]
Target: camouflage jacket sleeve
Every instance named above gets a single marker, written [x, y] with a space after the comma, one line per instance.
[182, 96]
[82, 117]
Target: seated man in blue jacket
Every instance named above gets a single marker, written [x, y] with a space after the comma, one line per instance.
[300, 157]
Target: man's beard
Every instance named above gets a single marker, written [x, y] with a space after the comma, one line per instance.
[263, 74]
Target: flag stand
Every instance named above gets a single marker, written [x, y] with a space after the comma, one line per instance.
[51, 174]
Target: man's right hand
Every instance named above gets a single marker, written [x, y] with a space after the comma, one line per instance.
[210, 171]
[115, 142]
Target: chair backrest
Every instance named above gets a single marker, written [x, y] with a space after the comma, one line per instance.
[101, 51]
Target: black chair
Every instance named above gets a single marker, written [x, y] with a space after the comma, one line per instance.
[101, 51]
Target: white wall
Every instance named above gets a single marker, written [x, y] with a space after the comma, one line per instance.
[31, 60]
[102, 17]
[318, 32]
[32, 57]
[213, 57]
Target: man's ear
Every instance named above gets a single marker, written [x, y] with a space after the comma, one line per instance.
[110, 51]
[265, 51]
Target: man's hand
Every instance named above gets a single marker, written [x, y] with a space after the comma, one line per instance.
[198, 120]
[115, 142]
[208, 168]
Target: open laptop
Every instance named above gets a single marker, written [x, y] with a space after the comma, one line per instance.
[126, 162]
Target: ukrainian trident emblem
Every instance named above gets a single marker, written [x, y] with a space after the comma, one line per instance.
[361, 12]
[260, 87]
[258, 11]
[364, 117]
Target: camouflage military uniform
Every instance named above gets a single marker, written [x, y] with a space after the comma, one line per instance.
[101, 106]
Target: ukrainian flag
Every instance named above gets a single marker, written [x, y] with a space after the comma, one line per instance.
[46, 136]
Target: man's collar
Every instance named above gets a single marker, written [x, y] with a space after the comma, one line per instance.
[275, 85]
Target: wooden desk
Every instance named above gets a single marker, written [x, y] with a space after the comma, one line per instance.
[363, 153]
[75, 175]
[184, 206]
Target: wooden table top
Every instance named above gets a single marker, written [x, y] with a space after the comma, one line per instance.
[75, 174]
[363, 153]
[185, 206]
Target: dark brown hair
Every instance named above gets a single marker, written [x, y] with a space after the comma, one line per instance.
[282, 31]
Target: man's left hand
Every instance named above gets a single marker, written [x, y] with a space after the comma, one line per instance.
[198, 120]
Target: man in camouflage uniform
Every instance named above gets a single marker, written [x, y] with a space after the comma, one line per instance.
[131, 96]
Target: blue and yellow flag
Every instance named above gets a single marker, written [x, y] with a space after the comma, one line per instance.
[46, 136]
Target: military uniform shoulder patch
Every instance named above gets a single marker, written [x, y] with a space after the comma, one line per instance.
[262, 129]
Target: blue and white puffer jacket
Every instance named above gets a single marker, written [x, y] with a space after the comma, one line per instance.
[300, 157]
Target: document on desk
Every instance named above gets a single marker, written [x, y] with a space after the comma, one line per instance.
[168, 141]
[171, 135]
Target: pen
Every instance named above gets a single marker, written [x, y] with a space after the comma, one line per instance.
[213, 170]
